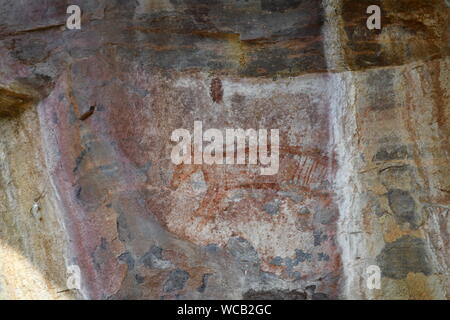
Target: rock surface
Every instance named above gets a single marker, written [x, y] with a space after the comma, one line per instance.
[86, 177]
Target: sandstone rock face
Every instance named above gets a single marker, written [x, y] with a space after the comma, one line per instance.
[86, 177]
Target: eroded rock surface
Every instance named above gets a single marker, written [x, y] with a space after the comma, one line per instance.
[86, 176]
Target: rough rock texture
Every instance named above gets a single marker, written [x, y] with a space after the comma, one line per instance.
[86, 177]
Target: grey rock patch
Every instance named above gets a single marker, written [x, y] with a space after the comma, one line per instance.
[381, 94]
[198, 182]
[294, 196]
[392, 153]
[204, 284]
[323, 257]
[277, 261]
[176, 280]
[153, 259]
[319, 237]
[272, 207]
[320, 296]
[326, 215]
[274, 295]
[304, 211]
[404, 207]
[243, 252]
[127, 258]
[301, 256]
[407, 254]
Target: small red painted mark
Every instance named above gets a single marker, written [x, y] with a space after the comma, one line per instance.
[216, 90]
[87, 114]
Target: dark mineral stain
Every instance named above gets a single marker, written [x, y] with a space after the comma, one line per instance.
[41, 83]
[368, 50]
[407, 254]
[78, 193]
[276, 38]
[31, 51]
[204, 284]
[272, 207]
[243, 251]
[128, 259]
[323, 257]
[212, 248]
[403, 206]
[397, 171]
[310, 289]
[154, 259]
[176, 280]
[274, 295]
[279, 5]
[139, 279]
[392, 153]
[319, 237]
[277, 261]
[122, 226]
[216, 90]
[79, 159]
[320, 296]
[326, 215]
[381, 93]
[101, 254]
[301, 256]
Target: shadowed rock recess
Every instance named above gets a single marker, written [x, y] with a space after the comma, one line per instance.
[86, 177]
